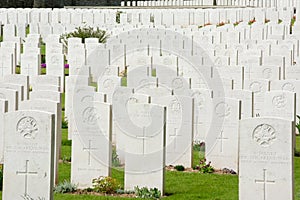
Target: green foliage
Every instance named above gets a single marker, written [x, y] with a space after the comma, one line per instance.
[105, 185]
[179, 168]
[65, 187]
[251, 21]
[279, 21]
[293, 20]
[118, 14]
[115, 158]
[204, 167]
[64, 124]
[18, 70]
[86, 32]
[199, 146]
[121, 191]
[145, 193]
[298, 124]
[152, 18]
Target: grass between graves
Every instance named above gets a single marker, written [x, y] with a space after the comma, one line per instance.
[179, 185]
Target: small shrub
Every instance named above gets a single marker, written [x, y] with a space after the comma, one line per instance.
[205, 168]
[145, 193]
[65, 187]
[115, 158]
[105, 185]
[64, 124]
[66, 159]
[85, 32]
[228, 171]
[297, 153]
[179, 168]
[120, 191]
[251, 21]
[199, 146]
[220, 24]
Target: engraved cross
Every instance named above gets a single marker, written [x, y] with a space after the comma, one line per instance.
[265, 182]
[89, 149]
[26, 173]
[221, 138]
[144, 138]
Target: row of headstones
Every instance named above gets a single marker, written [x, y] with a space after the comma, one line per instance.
[69, 17]
[271, 133]
[255, 3]
[33, 143]
[221, 143]
[11, 30]
[30, 59]
[55, 60]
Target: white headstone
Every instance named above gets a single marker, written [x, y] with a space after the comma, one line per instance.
[266, 159]
[28, 155]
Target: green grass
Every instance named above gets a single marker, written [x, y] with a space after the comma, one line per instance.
[178, 185]
[124, 81]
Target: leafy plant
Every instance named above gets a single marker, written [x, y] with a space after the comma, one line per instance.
[121, 191]
[145, 193]
[64, 124]
[251, 21]
[293, 20]
[65, 187]
[105, 185]
[179, 168]
[199, 146]
[85, 32]
[115, 158]
[298, 124]
[66, 159]
[220, 24]
[205, 167]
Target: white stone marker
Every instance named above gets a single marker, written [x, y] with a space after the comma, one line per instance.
[28, 155]
[202, 113]
[53, 107]
[222, 139]
[266, 159]
[258, 87]
[144, 131]
[3, 109]
[91, 142]
[30, 64]
[280, 103]
[12, 97]
[179, 129]
[20, 80]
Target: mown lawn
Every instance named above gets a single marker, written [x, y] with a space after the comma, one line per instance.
[179, 185]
